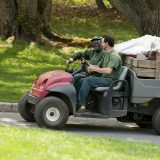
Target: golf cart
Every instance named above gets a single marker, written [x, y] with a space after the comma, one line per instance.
[52, 99]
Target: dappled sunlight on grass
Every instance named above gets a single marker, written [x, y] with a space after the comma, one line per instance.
[79, 2]
[20, 65]
[74, 2]
[87, 28]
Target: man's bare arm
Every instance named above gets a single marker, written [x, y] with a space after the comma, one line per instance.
[93, 68]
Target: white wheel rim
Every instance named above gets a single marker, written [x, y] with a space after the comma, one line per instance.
[52, 114]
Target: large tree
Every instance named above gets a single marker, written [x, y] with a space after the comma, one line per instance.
[29, 19]
[24, 18]
[145, 14]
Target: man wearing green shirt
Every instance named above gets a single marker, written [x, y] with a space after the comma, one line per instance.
[109, 69]
[94, 56]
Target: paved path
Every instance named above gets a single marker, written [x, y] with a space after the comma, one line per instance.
[93, 127]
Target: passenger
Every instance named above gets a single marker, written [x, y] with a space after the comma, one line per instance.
[110, 68]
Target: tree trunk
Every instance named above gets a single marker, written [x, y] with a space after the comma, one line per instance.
[150, 24]
[8, 13]
[23, 18]
[145, 15]
[29, 19]
[100, 4]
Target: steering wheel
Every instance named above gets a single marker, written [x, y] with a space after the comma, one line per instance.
[83, 68]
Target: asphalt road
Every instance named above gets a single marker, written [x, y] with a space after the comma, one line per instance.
[93, 127]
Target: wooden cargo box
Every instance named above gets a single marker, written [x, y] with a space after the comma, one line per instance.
[144, 68]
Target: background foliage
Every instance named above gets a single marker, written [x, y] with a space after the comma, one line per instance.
[20, 64]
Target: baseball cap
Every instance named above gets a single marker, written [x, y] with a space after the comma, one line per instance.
[96, 38]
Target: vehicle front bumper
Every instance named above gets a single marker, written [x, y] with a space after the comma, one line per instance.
[33, 99]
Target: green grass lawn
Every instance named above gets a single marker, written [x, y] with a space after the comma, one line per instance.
[42, 144]
[78, 2]
[20, 64]
[87, 28]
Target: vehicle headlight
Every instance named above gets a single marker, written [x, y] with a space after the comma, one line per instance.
[43, 84]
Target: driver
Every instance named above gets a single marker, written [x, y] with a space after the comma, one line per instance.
[94, 56]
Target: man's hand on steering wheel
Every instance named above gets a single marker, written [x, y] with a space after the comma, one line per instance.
[84, 62]
[70, 61]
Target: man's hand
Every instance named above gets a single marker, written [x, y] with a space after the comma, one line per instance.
[82, 61]
[70, 60]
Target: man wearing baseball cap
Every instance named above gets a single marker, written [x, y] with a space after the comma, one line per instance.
[94, 56]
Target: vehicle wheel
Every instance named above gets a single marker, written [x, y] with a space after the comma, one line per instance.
[26, 109]
[144, 125]
[51, 112]
[156, 120]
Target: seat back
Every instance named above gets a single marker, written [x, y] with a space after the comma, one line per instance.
[122, 76]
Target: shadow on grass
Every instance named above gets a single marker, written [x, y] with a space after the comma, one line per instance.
[48, 48]
[90, 27]
[18, 46]
[20, 65]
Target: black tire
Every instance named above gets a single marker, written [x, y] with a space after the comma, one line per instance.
[26, 109]
[52, 113]
[145, 125]
[156, 120]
